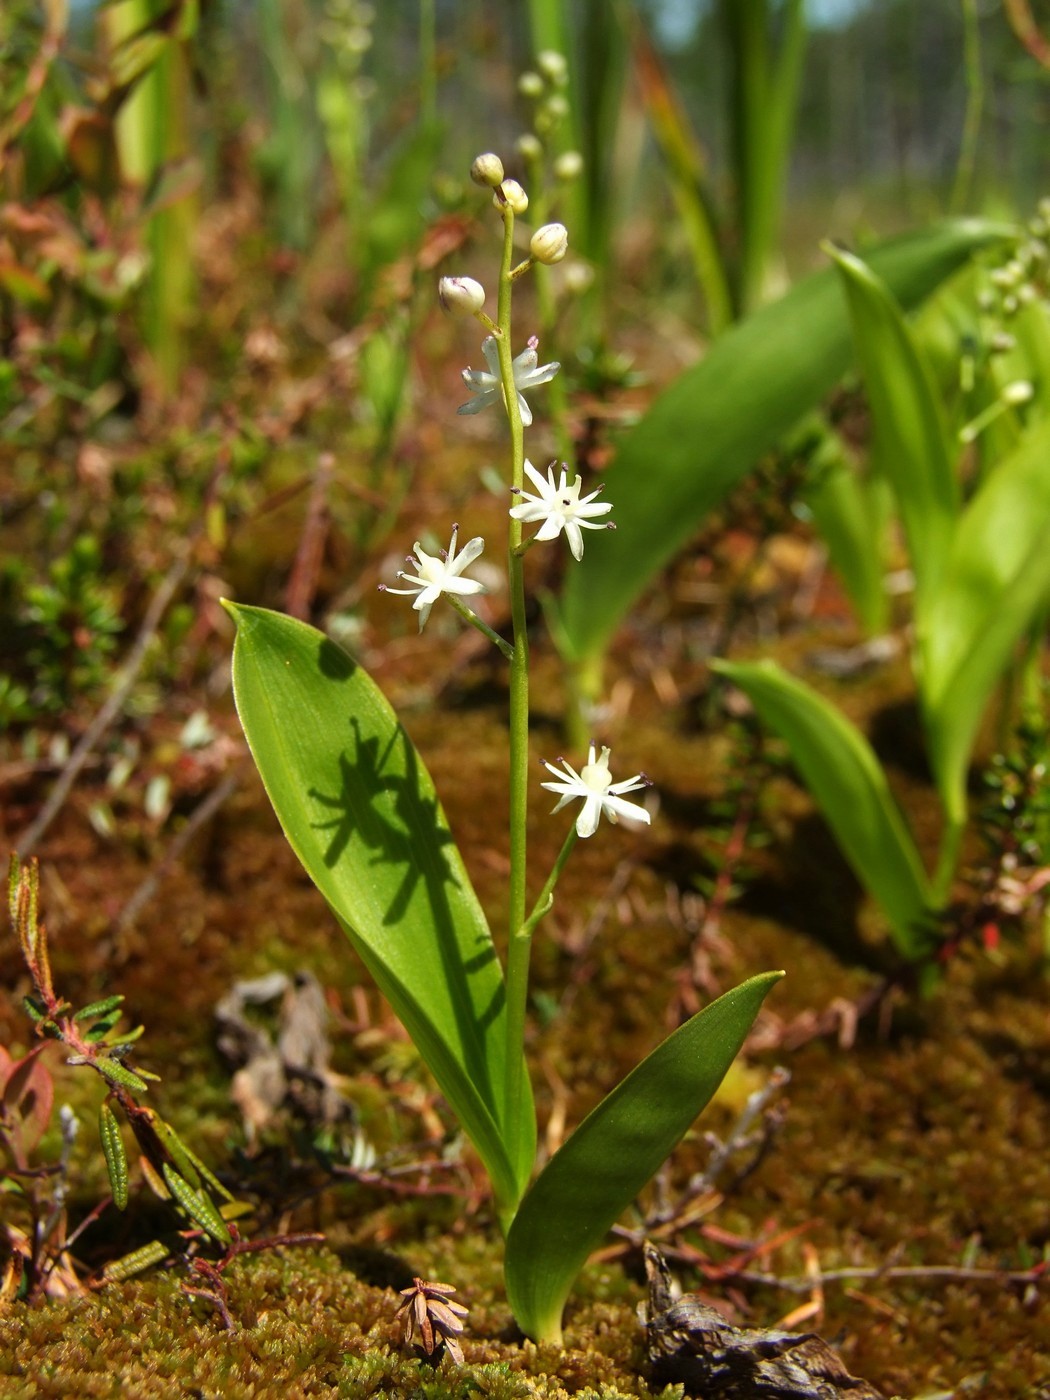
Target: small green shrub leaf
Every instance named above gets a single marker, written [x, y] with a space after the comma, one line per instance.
[198, 1206]
[840, 768]
[614, 1152]
[360, 811]
[114, 1152]
[98, 1008]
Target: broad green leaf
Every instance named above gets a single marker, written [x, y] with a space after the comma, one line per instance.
[360, 811]
[848, 783]
[910, 436]
[615, 1151]
[705, 432]
[996, 580]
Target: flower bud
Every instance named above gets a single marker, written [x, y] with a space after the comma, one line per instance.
[569, 166]
[1019, 392]
[487, 170]
[530, 85]
[553, 67]
[529, 147]
[511, 194]
[461, 295]
[550, 243]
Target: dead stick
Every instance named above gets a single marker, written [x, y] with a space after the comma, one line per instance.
[126, 677]
[306, 571]
[947, 1272]
[200, 814]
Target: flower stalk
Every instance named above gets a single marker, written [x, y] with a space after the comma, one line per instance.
[518, 949]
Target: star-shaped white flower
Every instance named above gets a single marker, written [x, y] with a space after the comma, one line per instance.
[598, 791]
[486, 386]
[439, 573]
[560, 508]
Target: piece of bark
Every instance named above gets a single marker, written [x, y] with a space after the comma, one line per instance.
[692, 1344]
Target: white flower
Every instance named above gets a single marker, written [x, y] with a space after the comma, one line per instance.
[559, 506]
[487, 387]
[439, 573]
[600, 794]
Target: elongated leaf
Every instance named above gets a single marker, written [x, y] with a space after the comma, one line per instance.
[997, 577]
[709, 429]
[360, 811]
[848, 783]
[614, 1152]
[850, 513]
[911, 440]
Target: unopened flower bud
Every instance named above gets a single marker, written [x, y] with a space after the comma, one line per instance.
[1019, 392]
[558, 106]
[553, 67]
[578, 278]
[529, 147]
[487, 170]
[461, 295]
[550, 243]
[511, 194]
[569, 166]
[530, 85]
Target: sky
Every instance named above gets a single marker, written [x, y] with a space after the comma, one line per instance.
[675, 19]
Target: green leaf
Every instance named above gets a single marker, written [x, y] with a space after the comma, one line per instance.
[850, 514]
[198, 1205]
[910, 437]
[99, 1008]
[114, 1153]
[710, 428]
[117, 1073]
[360, 811]
[840, 768]
[614, 1152]
[996, 579]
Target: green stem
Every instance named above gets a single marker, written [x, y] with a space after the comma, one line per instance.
[545, 903]
[517, 949]
[483, 627]
[947, 859]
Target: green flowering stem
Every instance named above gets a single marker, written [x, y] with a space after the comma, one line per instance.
[517, 949]
[483, 627]
[545, 903]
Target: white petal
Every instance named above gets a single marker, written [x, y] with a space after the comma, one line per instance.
[541, 483]
[490, 350]
[464, 587]
[537, 376]
[574, 535]
[551, 527]
[468, 554]
[617, 807]
[525, 411]
[587, 821]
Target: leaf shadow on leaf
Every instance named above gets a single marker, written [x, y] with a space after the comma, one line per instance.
[381, 801]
